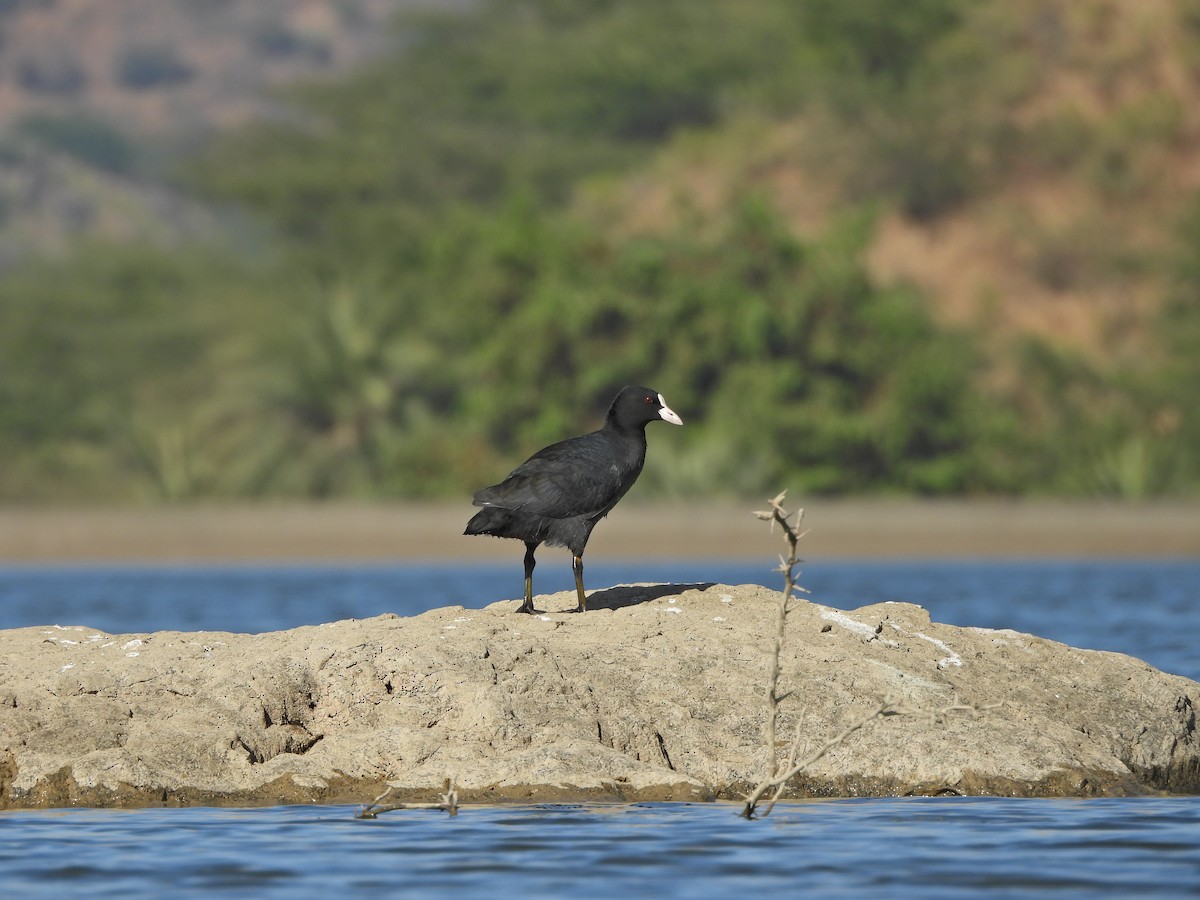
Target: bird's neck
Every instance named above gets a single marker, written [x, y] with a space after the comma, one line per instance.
[637, 432]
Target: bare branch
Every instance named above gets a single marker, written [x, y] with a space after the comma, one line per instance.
[448, 803]
[787, 565]
[775, 779]
[887, 707]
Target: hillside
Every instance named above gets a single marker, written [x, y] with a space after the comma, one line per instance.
[1049, 211]
[945, 251]
[177, 66]
[97, 98]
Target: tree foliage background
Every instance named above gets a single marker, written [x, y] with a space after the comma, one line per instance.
[420, 284]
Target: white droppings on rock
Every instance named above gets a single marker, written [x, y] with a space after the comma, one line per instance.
[867, 632]
[950, 659]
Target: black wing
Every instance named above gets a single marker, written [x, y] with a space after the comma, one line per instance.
[576, 477]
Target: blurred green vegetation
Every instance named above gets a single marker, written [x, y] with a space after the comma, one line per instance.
[88, 139]
[431, 307]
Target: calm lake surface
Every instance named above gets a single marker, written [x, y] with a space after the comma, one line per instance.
[906, 847]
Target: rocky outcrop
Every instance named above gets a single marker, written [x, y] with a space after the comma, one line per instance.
[655, 693]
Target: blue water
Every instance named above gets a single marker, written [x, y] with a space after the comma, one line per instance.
[1149, 609]
[913, 847]
[919, 848]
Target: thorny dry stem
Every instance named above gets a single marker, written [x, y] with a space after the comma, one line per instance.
[787, 565]
[887, 707]
[779, 780]
[448, 803]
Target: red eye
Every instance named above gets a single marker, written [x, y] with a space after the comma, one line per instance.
[649, 399]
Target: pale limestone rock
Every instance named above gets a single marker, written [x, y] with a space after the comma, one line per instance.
[656, 693]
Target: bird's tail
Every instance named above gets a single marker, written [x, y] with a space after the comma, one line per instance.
[486, 521]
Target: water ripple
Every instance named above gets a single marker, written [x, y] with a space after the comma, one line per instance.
[916, 847]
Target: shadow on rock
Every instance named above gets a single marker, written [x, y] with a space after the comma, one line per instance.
[633, 594]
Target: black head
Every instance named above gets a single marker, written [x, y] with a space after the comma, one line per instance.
[633, 407]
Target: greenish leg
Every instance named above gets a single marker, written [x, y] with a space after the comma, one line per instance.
[577, 567]
[530, 562]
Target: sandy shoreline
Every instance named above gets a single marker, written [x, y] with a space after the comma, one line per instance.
[837, 529]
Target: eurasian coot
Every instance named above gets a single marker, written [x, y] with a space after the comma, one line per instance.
[559, 494]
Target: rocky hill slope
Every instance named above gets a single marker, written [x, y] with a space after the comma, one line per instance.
[125, 86]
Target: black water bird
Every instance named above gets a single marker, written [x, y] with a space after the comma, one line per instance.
[559, 494]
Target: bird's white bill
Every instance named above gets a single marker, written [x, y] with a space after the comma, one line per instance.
[667, 414]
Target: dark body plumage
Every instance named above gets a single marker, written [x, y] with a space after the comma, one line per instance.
[559, 494]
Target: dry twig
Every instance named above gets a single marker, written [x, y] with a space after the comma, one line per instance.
[887, 707]
[448, 803]
[776, 779]
[779, 780]
[787, 565]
